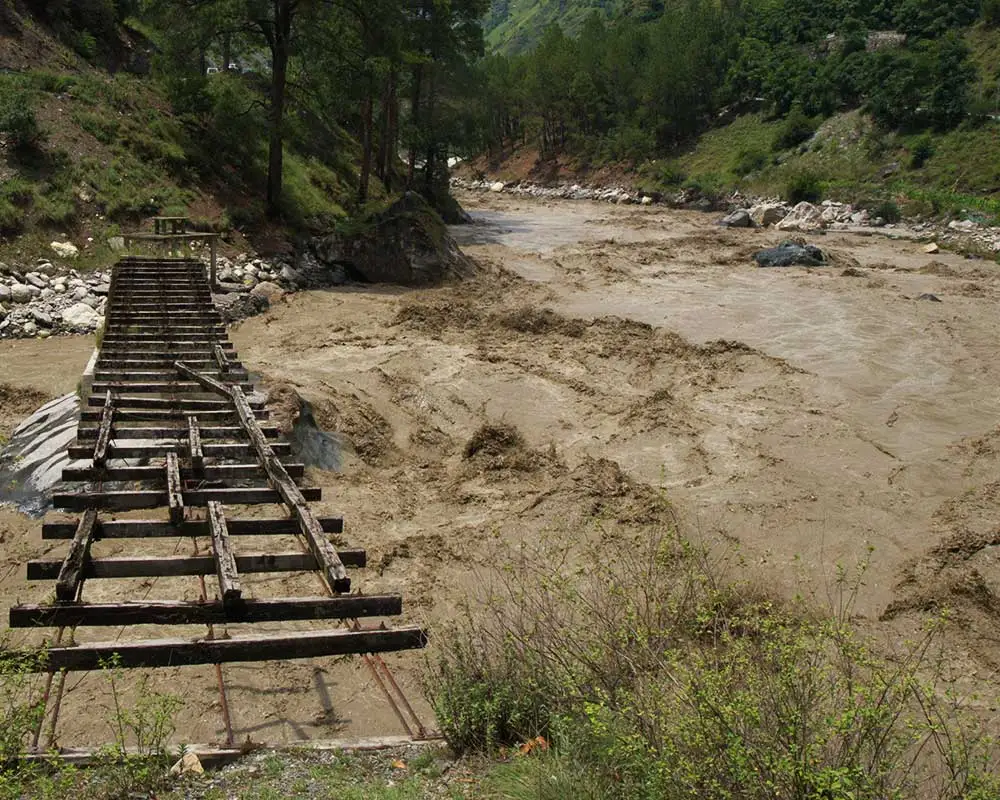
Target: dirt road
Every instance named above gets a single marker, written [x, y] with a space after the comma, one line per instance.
[804, 417]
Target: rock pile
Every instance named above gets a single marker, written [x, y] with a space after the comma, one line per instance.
[762, 213]
[45, 300]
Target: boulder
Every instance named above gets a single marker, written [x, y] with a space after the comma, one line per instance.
[496, 186]
[40, 317]
[4, 293]
[804, 217]
[81, 317]
[269, 291]
[20, 293]
[39, 281]
[405, 244]
[29, 328]
[47, 293]
[65, 249]
[790, 254]
[740, 218]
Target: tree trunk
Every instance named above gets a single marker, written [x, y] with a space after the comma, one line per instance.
[387, 141]
[279, 75]
[366, 143]
[430, 163]
[226, 50]
[418, 78]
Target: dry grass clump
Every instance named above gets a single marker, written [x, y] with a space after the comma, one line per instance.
[500, 446]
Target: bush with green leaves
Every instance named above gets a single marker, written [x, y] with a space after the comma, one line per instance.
[654, 673]
[797, 128]
[921, 151]
[748, 161]
[804, 186]
[17, 112]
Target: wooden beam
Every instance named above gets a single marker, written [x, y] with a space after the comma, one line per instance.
[104, 431]
[71, 573]
[179, 566]
[194, 446]
[175, 498]
[158, 528]
[186, 652]
[121, 431]
[184, 403]
[155, 387]
[333, 570]
[153, 498]
[151, 473]
[171, 612]
[225, 563]
[152, 449]
[171, 414]
[222, 360]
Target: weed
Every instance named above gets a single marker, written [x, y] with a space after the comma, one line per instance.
[748, 161]
[921, 151]
[796, 129]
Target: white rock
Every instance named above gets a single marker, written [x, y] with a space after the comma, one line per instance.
[767, 214]
[29, 328]
[65, 249]
[34, 279]
[4, 293]
[804, 217]
[188, 764]
[20, 293]
[931, 248]
[646, 200]
[47, 293]
[45, 268]
[80, 316]
[496, 187]
[963, 225]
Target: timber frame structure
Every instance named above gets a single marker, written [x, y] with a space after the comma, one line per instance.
[169, 391]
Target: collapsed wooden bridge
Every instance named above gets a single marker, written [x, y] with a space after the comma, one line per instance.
[169, 391]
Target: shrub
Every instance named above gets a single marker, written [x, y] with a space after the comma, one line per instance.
[991, 12]
[888, 210]
[804, 186]
[11, 217]
[796, 129]
[653, 674]
[17, 113]
[749, 161]
[922, 150]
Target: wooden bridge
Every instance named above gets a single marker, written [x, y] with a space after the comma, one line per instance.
[170, 392]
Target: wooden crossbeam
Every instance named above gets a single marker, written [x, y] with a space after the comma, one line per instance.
[154, 414]
[172, 612]
[185, 652]
[185, 403]
[121, 431]
[194, 446]
[150, 449]
[175, 498]
[153, 387]
[333, 570]
[225, 562]
[158, 528]
[213, 472]
[71, 572]
[104, 431]
[153, 498]
[180, 566]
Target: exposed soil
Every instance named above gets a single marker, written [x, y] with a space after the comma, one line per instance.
[621, 367]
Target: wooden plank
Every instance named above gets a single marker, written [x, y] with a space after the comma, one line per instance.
[152, 498]
[225, 563]
[333, 571]
[213, 472]
[151, 449]
[158, 528]
[184, 403]
[194, 446]
[175, 498]
[154, 387]
[185, 652]
[222, 360]
[171, 612]
[121, 431]
[104, 431]
[153, 414]
[182, 566]
[71, 572]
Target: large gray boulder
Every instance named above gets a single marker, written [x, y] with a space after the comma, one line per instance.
[80, 317]
[405, 244]
[791, 254]
[740, 218]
